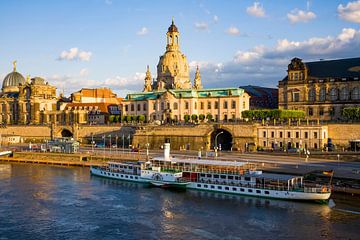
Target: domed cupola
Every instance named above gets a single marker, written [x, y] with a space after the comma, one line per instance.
[12, 80]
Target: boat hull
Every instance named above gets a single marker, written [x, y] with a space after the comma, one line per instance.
[229, 189]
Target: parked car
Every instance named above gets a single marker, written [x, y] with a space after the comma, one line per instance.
[99, 145]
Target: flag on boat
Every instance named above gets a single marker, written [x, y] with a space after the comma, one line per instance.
[328, 172]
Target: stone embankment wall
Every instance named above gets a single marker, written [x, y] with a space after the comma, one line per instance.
[341, 134]
[29, 133]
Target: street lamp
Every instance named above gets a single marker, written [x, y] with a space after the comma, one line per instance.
[216, 147]
[92, 142]
[147, 151]
[338, 157]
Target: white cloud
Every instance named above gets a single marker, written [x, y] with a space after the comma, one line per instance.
[84, 72]
[256, 10]
[350, 12]
[201, 26]
[265, 66]
[297, 15]
[216, 19]
[75, 54]
[233, 31]
[143, 31]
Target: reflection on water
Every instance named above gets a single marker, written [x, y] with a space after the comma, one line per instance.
[46, 202]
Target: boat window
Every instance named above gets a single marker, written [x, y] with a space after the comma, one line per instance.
[219, 187]
[212, 186]
[130, 167]
[208, 175]
[131, 177]
[113, 174]
[205, 186]
[234, 188]
[223, 176]
[117, 175]
[101, 172]
[247, 178]
[202, 175]
[258, 191]
[227, 188]
[127, 176]
[230, 177]
[122, 175]
[216, 176]
[236, 178]
[242, 190]
[109, 174]
[199, 185]
[249, 190]
[267, 192]
[136, 177]
[121, 166]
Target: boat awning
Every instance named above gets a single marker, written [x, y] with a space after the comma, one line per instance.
[274, 176]
[203, 162]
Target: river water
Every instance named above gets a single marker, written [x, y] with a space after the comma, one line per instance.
[48, 202]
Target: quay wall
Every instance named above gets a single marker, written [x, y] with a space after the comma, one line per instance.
[341, 134]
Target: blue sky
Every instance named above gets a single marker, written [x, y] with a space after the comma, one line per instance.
[108, 43]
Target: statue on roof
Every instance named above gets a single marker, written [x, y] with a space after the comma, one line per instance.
[197, 79]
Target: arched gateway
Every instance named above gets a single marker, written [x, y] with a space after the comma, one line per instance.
[66, 133]
[223, 138]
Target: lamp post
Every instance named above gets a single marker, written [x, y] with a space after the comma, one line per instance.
[116, 140]
[147, 151]
[110, 144]
[216, 147]
[92, 142]
[338, 158]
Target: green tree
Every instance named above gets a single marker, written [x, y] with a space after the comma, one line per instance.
[351, 113]
[194, 117]
[141, 118]
[117, 118]
[129, 118]
[111, 118]
[201, 117]
[124, 118]
[209, 117]
[186, 118]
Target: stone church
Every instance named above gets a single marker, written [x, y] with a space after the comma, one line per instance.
[172, 95]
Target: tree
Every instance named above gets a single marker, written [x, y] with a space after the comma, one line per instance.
[351, 113]
[124, 118]
[141, 118]
[194, 117]
[111, 118]
[129, 118]
[209, 117]
[201, 117]
[186, 118]
[117, 118]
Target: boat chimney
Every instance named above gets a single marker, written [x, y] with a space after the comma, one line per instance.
[167, 151]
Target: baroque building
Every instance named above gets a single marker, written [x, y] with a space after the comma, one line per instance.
[25, 101]
[172, 96]
[321, 89]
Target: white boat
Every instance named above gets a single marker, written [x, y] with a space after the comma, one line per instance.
[215, 176]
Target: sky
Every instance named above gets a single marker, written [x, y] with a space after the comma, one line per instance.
[109, 43]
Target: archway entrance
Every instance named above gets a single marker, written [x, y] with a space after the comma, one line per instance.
[223, 139]
[66, 133]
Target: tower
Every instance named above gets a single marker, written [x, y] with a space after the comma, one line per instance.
[197, 79]
[173, 68]
[147, 85]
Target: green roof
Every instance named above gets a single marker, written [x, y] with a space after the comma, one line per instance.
[187, 93]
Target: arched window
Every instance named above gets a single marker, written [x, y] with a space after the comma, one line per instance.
[175, 106]
[333, 94]
[312, 95]
[186, 105]
[322, 94]
[344, 94]
[355, 93]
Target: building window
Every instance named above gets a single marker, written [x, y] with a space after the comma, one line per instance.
[233, 117]
[216, 105]
[138, 107]
[322, 95]
[201, 105]
[225, 104]
[321, 111]
[306, 135]
[264, 134]
[315, 135]
[132, 107]
[162, 106]
[315, 145]
[233, 104]
[186, 105]
[297, 134]
[126, 108]
[209, 105]
[296, 97]
[167, 105]
[244, 104]
[272, 134]
[145, 107]
[175, 106]
[310, 112]
[281, 134]
[264, 143]
[154, 106]
[355, 94]
[332, 111]
[195, 105]
[344, 94]
[333, 94]
[288, 134]
[312, 95]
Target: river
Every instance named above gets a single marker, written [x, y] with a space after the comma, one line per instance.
[49, 202]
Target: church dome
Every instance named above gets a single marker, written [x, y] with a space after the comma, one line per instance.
[12, 80]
